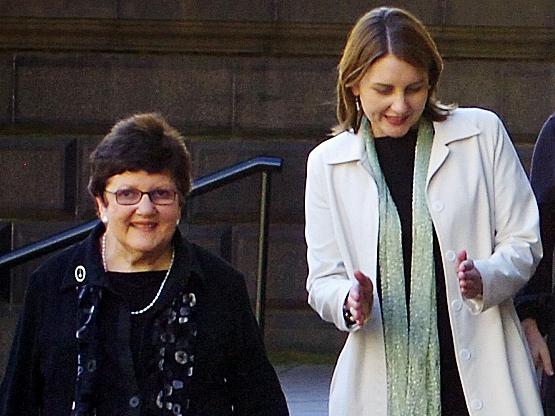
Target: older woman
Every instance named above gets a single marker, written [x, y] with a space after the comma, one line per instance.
[136, 320]
[421, 226]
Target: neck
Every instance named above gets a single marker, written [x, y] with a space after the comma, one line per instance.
[120, 259]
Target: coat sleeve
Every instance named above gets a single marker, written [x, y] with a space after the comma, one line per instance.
[21, 387]
[517, 247]
[328, 283]
[254, 385]
[535, 299]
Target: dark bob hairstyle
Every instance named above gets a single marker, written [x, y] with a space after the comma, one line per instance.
[141, 142]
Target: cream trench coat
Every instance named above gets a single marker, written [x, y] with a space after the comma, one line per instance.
[480, 200]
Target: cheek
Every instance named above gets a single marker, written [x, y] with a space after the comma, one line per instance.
[171, 216]
[420, 101]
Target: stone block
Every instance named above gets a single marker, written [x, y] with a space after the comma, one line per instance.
[215, 238]
[38, 175]
[190, 90]
[287, 269]
[301, 329]
[516, 91]
[529, 95]
[25, 233]
[224, 10]
[286, 94]
[85, 208]
[6, 85]
[59, 8]
[539, 13]
[5, 247]
[349, 11]
[239, 201]
[8, 320]
[524, 152]
[473, 84]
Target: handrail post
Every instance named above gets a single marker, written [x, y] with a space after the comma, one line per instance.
[262, 268]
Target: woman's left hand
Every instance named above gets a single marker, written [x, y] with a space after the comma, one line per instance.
[470, 279]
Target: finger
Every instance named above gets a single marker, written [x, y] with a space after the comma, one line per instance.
[461, 256]
[357, 313]
[546, 359]
[355, 294]
[466, 266]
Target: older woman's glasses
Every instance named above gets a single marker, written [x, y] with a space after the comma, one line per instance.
[132, 196]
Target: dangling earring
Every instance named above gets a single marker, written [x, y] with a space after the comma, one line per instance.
[357, 103]
[178, 221]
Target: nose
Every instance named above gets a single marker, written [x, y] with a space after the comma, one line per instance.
[399, 104]
[145, 205]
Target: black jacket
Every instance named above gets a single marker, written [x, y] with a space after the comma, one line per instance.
[536, 300]
[232, 375]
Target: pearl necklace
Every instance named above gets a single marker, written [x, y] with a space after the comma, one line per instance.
[151, 304]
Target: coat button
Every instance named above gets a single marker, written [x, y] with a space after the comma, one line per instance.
[134, 401]
[450, 255]
[465, 354]
[457, 305]
[476, 404]
[437, 206]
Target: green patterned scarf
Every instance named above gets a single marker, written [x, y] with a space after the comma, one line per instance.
[411, 339]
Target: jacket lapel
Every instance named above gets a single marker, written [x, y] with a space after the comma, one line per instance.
[446, 132]
[348, 147]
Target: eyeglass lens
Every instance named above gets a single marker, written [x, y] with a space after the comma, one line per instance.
[132, 196]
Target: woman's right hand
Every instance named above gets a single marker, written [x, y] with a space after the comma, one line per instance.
[360, 298]
[538, 346]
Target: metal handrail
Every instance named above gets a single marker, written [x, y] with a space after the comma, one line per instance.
[202, 185]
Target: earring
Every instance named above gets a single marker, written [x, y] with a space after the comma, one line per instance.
[178, 221]
[357, 103]
[104, 219]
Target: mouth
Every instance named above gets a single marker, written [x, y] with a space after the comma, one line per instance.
[396, 120]
[145, 226]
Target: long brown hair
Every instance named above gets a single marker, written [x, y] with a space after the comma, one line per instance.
[382, 31]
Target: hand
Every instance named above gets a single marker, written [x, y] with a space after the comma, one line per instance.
[470, 279]
[360, 298]
[538, 347]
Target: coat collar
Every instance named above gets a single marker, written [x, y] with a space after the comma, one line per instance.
[85, 263]
[348, 147]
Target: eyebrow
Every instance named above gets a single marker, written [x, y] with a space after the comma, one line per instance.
[380, 84]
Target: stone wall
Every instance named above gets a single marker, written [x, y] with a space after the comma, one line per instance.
[240, 79]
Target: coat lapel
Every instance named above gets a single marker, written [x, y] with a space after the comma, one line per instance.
[349, 147]
[446, 132]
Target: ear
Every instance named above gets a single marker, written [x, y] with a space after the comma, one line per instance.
[179, 214]
[355, 89]
[101, 206]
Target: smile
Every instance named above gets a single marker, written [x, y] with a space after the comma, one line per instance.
[144, 226]
[396, 120]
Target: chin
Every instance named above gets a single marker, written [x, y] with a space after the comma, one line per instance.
[398, 132]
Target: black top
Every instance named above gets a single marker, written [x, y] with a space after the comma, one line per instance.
[396, 157]
[138, 289]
